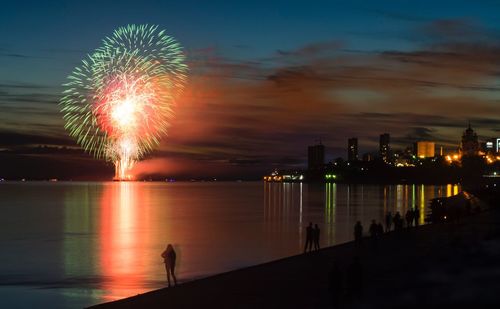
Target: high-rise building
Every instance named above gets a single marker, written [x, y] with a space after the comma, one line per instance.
[316, 157]
[470, 143]
[352, 149]
[367, 157]
[385, 149]
[488, 147]
[426, 149]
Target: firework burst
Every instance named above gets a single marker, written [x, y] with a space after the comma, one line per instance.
[118, 102]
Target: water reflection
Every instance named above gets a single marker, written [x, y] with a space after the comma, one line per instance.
[78, 228]
[121, 220]
[336, 207]
[330, 211]
[115, 231]
[283, 212]
[102, 241]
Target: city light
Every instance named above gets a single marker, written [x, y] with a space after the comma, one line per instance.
[276, 177]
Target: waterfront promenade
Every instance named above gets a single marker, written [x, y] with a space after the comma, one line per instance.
[441, 265]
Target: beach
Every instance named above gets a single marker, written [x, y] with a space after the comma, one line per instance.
[449, 264]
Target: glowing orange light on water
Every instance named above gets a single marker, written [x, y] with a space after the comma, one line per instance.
[121, 261]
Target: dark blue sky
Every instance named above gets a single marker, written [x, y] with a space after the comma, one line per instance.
[268, 78]
[56, 35]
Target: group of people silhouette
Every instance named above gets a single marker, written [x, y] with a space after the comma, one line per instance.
[412, 216]
[350, 287]
[376, 229]
[312, 237]
[312, 243]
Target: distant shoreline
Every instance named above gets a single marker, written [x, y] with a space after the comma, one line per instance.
[225, 181]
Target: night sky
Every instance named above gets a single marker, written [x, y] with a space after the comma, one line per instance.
[266, 80]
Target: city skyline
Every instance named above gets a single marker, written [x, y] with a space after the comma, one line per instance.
[259, 94]
[260, 154]
[469, 145]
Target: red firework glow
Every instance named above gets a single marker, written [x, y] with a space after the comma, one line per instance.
[118, 103]
[126, 112]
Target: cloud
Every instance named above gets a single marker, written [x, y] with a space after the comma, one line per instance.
[53, 165]
[456, 30]
[185, 169]
[8, 139]
[429, 93]
[10, 55]
[398, 16]
[22, 85]
[418, 134]
[313, 49]
[250, 116]
[20, 56]
[450, 28]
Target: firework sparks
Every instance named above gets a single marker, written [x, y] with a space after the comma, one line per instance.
[118, 103]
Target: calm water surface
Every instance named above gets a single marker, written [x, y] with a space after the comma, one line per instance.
[74, 244]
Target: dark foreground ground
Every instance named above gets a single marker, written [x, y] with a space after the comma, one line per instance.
[439, 266]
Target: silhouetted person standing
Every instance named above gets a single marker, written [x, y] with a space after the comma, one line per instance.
[416, 216]
[169, 257]
[380, 230]
[335, 285]
[398, 222]
[373, 229]
[316, 237]
[309, 237]
[388, 221]
[374, 234]
[409, 217]
[358, 232]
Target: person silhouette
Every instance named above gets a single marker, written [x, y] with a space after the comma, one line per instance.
[409, 218]
[358, 232]
[316, 237]
[388, 221]
[374, 234]
[416, 216]
[309, 237]
[169, 257]
[373, 229]
[398, 222]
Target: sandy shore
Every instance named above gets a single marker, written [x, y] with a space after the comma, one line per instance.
[440, 265]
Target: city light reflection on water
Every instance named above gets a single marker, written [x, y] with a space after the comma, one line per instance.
[337, 207]
[101, 241]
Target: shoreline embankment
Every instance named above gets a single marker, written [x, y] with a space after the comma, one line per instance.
[444, 264]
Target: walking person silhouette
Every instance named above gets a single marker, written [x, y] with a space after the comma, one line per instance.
[358, 233]
[309, 237]
[416, 216]
[169, 257]
[388, 221]
[316, 237]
